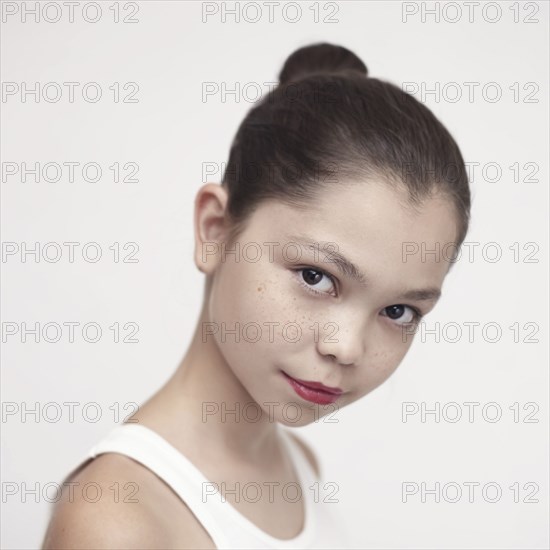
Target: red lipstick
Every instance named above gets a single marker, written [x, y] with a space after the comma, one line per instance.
[314, 391]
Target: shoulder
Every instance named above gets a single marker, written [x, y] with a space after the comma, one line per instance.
[310, 455]
[115, 502]
[103, 506]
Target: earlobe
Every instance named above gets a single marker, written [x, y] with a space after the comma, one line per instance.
[209, 225]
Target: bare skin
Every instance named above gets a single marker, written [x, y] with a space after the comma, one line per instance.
[368, 224]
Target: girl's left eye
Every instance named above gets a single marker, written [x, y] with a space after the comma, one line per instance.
[311, 277]
[402, 314]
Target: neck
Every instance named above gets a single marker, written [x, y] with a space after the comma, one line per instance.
[204, 401]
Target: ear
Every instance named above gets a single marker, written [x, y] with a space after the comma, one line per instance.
[210, 226]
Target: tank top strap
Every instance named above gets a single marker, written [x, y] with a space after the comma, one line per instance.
[155, 453]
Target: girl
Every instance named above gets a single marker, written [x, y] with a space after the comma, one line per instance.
[318, 250]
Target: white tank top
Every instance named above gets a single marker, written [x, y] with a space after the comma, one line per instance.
[228, 528]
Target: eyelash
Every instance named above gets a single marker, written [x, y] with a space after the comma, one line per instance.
[417, 314]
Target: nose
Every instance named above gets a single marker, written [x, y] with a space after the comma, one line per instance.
[346, 347]
[340, 362]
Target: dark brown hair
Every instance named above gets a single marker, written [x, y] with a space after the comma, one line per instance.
[328, 122]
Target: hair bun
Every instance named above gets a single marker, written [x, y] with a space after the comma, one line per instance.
[320, 58]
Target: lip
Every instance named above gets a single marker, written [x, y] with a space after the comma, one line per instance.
[314, 391]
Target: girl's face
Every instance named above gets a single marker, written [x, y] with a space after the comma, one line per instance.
[328, 295]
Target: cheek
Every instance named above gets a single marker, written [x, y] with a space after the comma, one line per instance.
[252, 313]
[386, 354]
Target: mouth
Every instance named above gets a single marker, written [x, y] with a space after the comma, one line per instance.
[314, 392]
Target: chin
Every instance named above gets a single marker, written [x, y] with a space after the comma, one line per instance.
[304, 420]
[295, 415]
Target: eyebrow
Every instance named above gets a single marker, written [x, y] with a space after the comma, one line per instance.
[349, 269]
[422, 295]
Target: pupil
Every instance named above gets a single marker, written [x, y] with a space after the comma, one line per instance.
[395, 312]
[317, 276]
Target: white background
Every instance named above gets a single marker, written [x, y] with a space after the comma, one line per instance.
[170, 132]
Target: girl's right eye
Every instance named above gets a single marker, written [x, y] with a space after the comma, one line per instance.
[311, 279]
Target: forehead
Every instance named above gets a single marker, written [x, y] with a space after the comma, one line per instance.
[374, 226]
